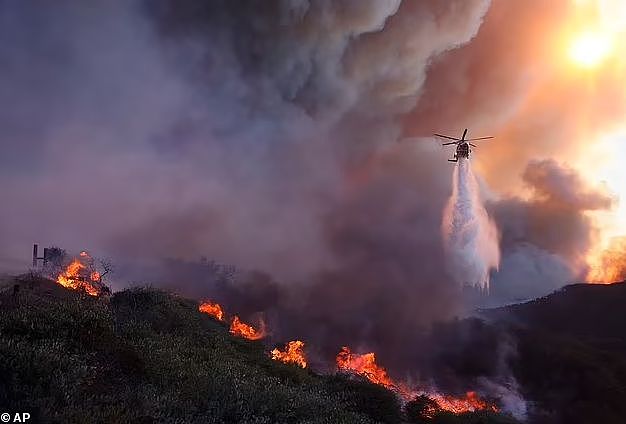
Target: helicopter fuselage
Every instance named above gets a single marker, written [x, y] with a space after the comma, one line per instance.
[462, 145]
[462, 152]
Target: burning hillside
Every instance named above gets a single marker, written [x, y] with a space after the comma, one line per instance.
[351, 363]
[171, 318]
[365, 365]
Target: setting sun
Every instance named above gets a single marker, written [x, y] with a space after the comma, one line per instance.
[590, 49]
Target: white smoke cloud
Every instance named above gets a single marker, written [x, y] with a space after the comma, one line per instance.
[470, 236]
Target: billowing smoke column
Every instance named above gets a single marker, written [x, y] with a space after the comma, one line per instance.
[470, 237]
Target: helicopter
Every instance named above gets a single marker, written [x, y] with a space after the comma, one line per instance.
[462, 145]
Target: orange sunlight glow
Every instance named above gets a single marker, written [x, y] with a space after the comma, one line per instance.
[608, 266]
[292, 354]
[601, 163]
[597, 42]
[590, 49]
[597, 33]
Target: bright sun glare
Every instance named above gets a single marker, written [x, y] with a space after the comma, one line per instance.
[590, 49]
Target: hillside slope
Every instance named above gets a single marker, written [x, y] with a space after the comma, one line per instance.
[148, 356]
[590, 313]
[571, 353]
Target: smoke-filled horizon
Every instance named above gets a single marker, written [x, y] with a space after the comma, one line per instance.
[290, 137]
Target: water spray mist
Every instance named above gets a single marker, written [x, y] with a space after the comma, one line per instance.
[470, 236]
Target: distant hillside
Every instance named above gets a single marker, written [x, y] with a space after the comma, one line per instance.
[590, 313]
[147, 356]
[571, 353]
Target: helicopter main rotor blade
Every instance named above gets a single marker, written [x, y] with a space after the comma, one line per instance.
[449, 138]
[480, 138]
[473, 145]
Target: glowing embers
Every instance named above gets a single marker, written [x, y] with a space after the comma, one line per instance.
[292, 354]
[213, 309]
[80, 275]
[471, 402]
[241, 329]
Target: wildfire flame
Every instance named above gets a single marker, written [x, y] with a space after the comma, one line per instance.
[365, 365]
[292, 354]
[609, 266]
[347, 361]
[241, 329]
[213, 309]
[76, 276]
[470, 403]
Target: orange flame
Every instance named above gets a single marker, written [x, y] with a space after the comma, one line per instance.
[365, 365]
[293, 354]
[246, 331]
[609, 266]
[76, 276]
[470, 403]
[213, 309]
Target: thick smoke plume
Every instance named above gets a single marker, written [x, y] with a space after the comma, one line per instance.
[470, 236]
[545, 236]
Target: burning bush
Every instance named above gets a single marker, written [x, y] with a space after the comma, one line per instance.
[81, 274]
[241, 329]
[213, 309]
[292, 354]
[365, 365]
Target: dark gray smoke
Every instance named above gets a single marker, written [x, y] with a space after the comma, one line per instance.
[227, 126]
[261, 134]
[244, 131]
[545, 238]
